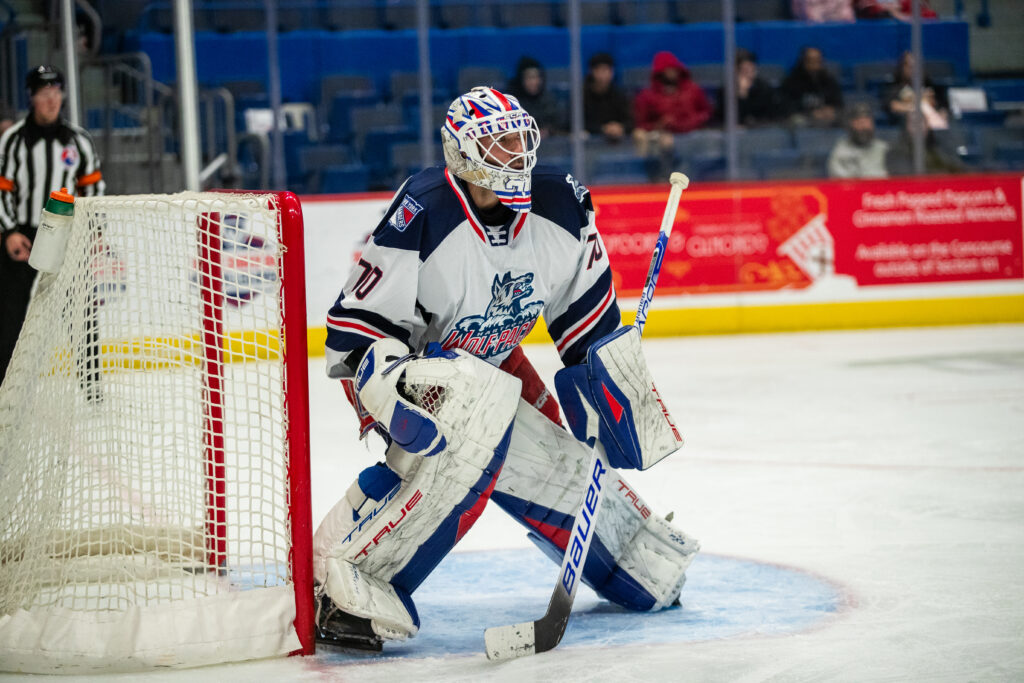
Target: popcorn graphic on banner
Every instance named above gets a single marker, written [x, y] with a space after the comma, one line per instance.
[812, 249]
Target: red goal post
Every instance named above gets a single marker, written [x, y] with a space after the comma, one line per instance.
[155, 434]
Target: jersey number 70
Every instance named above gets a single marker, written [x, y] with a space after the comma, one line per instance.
[595, 250]
[368, 279]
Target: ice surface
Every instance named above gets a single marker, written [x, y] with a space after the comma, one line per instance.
[888, 465]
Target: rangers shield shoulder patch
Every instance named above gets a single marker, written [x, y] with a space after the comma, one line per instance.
[404, 214]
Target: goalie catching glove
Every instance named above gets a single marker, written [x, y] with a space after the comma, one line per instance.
[379, 384]
[613, 396]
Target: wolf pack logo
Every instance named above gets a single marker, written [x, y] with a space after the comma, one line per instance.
[577, 187]
[504, 324]
[404, 214]
[248, 262]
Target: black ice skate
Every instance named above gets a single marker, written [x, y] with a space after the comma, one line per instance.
[341, 629]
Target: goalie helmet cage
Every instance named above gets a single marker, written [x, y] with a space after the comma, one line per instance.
[154, 442]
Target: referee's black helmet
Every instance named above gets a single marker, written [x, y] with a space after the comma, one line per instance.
[42, 76]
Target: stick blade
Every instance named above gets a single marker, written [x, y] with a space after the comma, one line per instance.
[510, 642]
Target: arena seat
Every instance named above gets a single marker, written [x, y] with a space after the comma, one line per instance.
[343, 179]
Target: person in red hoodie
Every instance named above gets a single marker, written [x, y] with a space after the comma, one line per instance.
[891, 9]
[673, 103]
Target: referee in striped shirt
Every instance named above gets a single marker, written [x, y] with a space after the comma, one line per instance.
[38, 154]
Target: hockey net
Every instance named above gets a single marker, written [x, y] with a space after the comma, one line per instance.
[154, 465]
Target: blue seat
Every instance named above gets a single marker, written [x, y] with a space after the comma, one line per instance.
[592, 13]
[353, 15]
[707, 76]
[624, 169]
[297, 18]
[656, 12]
[472, 76]
[872, 76]
[376, 116]
[699, 144]
[351, 84]
[753, 140]
[993, 117]
[695, 11]
[706, 166]
[1005, 94]
[342, 179]
[295, 143]
[991, 138]
[401, 15]
[762, 10]
[407, 158]
[781, 163]
[411, 107]
[463, 13]
[405, 86]
[376, 152]
[340, 124]
[816, 140]
[942, 72]
[1010, 155]
[514, 13]
[313, 160]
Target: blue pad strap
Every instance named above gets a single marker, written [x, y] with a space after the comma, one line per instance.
[414, 432]
[377, 481]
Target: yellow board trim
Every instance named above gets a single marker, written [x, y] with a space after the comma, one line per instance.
[796, 317]
[152, 353]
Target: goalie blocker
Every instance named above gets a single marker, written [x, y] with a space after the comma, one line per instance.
[400, 518]
[613, 395]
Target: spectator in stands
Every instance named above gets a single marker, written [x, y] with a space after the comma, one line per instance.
[529, 86]
[813, 95]
[673, 103]
[891, 9]
[899, 96]
[758, 102]
[605, 105]
[820, 11]
[937, 157]
[859, 154]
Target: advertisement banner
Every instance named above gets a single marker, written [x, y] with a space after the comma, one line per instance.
[751, 238]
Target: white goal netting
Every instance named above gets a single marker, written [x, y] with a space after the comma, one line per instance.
[146, 510]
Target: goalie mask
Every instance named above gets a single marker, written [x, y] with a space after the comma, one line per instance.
[491, 141]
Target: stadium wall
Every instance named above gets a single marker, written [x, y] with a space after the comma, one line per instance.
[770, 257]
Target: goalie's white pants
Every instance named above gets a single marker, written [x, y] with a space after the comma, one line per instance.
[637, 559]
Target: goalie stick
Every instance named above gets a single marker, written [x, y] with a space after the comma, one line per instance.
[541, 635]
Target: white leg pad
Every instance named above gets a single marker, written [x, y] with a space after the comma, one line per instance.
[546, 466]
[365, 596]
[658, 556]
[363, 543]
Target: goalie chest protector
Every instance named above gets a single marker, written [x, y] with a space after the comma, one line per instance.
[433, 271]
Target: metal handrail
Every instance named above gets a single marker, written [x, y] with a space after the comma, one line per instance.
[153, 105]
[208, 100]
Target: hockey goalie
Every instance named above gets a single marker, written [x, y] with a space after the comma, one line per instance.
[425, 338]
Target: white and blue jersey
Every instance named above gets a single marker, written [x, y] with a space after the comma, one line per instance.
[433, 271]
